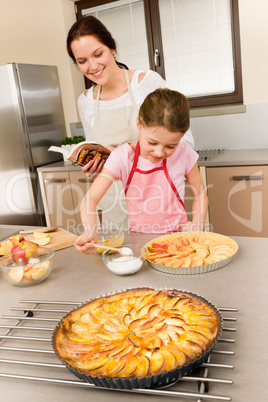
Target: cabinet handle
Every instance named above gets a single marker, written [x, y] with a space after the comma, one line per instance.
[55, 180]
[156, 58]
[246, 177]
[86, 180]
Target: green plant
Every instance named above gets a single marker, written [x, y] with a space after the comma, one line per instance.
[72, 140]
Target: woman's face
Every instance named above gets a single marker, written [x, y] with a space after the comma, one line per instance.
[93, 58]
[157, 143]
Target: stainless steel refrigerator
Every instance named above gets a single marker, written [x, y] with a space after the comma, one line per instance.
[31, 120]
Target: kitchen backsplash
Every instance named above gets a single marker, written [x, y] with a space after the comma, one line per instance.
[247, 130]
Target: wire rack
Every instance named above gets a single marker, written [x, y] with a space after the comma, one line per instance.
[26, 332]
[209, 154]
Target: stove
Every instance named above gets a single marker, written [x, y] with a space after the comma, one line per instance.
[209, 154]
[25, 338]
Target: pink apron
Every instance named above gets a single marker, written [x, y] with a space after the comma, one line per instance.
[153, 202]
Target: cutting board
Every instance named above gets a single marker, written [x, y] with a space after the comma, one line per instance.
[58, 239]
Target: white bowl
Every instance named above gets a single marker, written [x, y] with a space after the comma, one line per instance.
[125, 265]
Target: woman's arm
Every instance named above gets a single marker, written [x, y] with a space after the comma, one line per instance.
[88, 211]
[200, 201]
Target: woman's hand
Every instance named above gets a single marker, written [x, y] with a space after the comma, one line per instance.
[93, 167]
[84, 245]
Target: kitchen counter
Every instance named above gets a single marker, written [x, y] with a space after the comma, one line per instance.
[239, 157]
[76, 277]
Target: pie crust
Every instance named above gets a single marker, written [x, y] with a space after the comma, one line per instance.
[190, 252]
[137, 337]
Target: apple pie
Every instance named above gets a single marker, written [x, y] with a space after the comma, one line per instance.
[188, 249]
[137, 333]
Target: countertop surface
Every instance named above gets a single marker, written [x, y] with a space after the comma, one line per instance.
[75, 277]
[240, 157]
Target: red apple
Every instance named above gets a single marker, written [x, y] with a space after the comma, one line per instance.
[23, 251]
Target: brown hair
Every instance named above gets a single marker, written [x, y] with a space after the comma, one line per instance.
[166, 108]
[90, 25]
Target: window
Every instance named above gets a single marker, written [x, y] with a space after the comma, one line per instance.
[193, 44]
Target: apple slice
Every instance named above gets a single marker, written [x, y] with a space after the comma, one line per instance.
[143, 366]
[186, 262]
[196, 261]
[170, 359]
[157, 361]
[16, 274]
[6, 247]
[92, 364]
[152, 343]
[130, 367]
[16, 239]
[42, 242]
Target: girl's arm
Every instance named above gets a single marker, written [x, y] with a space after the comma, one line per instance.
[88, 211]
[200, 202]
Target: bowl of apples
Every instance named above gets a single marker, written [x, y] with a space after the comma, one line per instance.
[27, 264]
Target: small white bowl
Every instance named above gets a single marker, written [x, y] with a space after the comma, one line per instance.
[125, 265]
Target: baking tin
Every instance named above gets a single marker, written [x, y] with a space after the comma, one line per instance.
[197, 269]
[155, 381]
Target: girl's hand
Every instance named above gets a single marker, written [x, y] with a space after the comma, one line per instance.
[84, 245]
[190, 227]
[93, 168]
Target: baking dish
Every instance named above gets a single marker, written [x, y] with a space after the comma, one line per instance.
[153, 381]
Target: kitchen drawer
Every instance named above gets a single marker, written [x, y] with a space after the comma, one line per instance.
[238, 198]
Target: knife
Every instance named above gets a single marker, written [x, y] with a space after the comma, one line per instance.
[44, 230]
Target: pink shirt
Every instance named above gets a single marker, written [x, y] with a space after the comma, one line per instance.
[178, 165]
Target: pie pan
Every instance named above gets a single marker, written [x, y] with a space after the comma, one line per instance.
[155, 381]
[196, 269]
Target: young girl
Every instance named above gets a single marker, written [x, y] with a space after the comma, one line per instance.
[152, 171]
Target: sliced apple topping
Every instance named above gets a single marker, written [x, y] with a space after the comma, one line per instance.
[188, 249]
[172, 329]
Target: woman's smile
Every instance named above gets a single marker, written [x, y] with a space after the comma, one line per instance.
[98, 73]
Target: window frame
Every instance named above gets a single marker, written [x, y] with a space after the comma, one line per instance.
[154, 39]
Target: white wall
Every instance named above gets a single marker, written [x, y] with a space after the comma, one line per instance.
[254, 44]
[34, 31]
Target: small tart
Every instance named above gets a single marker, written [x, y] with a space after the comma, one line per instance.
[137, 333]
[189, 249]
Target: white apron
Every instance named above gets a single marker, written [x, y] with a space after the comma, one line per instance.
[115, 127]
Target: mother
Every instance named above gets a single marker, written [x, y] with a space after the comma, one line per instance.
[109, 108]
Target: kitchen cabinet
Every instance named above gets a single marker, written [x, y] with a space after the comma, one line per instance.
[188, 198]
[62, 193]
[238, 197]
[57, 198]
[79, 185]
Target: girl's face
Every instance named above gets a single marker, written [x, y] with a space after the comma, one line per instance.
[157, 143]
[93, 58]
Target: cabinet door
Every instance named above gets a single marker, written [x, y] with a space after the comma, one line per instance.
[112, 205]
[80, 185]
[59, 201]
[188, 198]
[237, 200]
